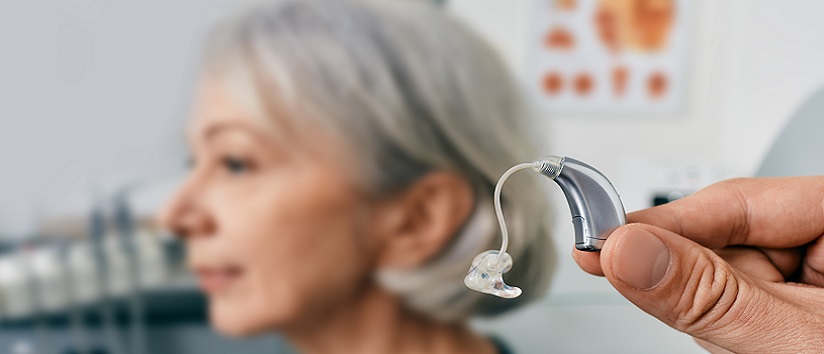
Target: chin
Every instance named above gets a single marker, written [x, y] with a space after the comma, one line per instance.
[235, 329]
[234, 326]
[240, 320]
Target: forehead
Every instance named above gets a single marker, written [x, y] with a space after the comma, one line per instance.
[222, 102]
[215, 105]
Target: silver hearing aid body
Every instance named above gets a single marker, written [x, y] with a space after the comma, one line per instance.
[594, 203]
[595, 206]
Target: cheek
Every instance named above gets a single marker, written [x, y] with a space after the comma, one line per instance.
[301, 249]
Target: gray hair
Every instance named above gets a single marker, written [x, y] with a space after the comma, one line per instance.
[414, 91]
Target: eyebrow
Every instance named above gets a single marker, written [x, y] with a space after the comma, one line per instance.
[210, 131]
[214, 129]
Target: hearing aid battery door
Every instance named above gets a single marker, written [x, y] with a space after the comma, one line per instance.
[582, 235]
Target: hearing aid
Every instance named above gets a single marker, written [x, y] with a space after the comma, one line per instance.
[594, 204]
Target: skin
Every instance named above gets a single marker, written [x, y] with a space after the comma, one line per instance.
[282, 239]
[741, 268]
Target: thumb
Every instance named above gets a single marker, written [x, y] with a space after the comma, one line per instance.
[693, 290]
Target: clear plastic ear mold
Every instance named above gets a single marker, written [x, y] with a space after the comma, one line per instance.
[486, 275]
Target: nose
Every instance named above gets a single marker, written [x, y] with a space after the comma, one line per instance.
[185, 214]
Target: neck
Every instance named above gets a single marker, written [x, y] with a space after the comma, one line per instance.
[376, 322]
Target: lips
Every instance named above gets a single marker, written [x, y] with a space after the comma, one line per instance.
[216, 279]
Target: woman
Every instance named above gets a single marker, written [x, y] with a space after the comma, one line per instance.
[345, 155]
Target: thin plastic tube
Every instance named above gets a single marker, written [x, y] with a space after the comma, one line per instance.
[499, 211]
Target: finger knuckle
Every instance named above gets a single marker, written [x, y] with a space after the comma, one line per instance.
[711, 298]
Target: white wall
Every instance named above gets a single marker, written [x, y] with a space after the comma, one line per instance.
[93, 96]
[753, 63]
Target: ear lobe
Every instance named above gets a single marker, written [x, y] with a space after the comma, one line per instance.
[429, 214]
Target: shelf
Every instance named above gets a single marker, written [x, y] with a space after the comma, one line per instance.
[161, 307]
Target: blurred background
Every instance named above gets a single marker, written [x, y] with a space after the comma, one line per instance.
[664, 97]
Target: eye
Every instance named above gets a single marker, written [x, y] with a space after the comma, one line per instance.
[235, 165]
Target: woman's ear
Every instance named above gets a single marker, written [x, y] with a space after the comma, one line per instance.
[422, 220]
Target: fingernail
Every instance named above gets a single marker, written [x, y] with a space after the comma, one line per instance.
[641, 259]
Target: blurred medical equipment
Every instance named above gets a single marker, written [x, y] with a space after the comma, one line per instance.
[595, 206]
[105, 283]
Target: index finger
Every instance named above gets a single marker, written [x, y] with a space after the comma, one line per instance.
[763, 212]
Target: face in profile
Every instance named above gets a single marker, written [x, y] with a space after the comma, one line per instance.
[642, 25]
[653, 20]
[275, 232]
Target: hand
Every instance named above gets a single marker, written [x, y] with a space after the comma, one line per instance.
[738, 265]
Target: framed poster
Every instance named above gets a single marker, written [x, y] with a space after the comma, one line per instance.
[610, 56]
